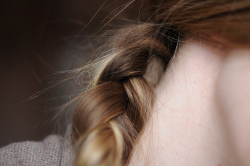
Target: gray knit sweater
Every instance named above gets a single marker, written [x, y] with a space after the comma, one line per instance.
[52, 151]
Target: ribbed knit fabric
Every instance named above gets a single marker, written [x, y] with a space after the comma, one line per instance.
[54, 150]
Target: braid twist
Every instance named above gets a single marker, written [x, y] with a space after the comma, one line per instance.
[112, 114]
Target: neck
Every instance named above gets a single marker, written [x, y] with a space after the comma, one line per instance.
[186, 126]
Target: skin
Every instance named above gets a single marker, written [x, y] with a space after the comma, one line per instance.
[202, 112]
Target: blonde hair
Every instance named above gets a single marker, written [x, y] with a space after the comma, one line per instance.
[112, 113]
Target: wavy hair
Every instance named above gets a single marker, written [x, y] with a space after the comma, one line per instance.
[111, 114]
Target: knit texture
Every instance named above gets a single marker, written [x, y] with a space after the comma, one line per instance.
[54, 150]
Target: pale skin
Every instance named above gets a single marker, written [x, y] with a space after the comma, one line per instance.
[202, 111]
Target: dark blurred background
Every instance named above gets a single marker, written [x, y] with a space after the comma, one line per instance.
[38, 38]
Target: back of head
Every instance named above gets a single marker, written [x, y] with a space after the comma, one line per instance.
[112, 113]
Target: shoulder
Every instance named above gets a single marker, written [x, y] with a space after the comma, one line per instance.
[53, 150]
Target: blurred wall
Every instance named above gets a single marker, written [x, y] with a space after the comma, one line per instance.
[37, 38]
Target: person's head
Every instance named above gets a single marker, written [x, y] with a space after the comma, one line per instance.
[112, 113]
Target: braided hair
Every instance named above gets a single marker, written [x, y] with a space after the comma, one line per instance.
[113, 112]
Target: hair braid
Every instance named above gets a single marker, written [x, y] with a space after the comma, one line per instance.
[111, 115]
